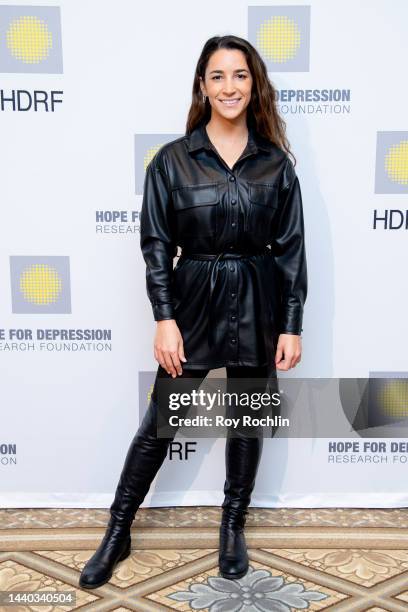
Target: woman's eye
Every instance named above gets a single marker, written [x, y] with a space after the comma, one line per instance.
[218, 76]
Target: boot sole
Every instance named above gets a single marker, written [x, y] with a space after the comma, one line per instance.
[234, 576]
[123, 556]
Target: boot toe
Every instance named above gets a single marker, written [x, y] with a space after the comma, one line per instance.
[99, 568]
[94, 575]
[233, 568]
[233, 558]
[233, 571]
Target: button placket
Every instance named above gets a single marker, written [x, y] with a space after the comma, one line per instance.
[232, 318]
[233, 211]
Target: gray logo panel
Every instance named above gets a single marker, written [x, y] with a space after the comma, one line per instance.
[30, 39]
[281, 35]
[391, 162]
[40, 284]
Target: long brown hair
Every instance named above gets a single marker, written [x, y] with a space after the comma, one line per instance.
[262, 111]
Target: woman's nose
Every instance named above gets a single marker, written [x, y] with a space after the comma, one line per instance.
[229, 91]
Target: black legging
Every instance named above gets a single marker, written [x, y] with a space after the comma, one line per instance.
[147, 451]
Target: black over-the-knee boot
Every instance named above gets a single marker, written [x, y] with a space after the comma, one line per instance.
[144, 458]
[146, 454]
[242, 460]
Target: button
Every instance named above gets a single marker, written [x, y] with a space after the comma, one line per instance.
[233, 318]
[232, 269]
[233, 224]
[231, 246]
[232, 178]
[233, 201]
[233, 295]
[233, 340]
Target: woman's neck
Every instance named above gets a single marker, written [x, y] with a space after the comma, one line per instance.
[225, 132]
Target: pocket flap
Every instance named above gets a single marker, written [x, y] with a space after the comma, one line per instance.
[263, 194]
[195, 195]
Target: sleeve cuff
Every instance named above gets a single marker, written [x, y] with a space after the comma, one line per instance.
[163, 311]
[292, 320]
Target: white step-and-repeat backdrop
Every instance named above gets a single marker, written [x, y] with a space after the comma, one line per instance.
[89, 91]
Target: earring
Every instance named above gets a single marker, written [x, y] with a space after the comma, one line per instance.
[204, 97]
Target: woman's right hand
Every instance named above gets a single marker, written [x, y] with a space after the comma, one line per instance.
[169, 346]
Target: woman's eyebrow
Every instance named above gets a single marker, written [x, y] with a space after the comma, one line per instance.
[237, 70]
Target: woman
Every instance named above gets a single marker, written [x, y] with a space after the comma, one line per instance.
[227, 193]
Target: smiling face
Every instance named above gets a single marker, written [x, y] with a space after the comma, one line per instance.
[228, 83]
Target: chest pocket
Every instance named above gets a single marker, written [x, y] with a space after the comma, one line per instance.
[196, 209]
[263, 206]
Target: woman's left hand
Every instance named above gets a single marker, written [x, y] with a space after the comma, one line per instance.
[288, 352]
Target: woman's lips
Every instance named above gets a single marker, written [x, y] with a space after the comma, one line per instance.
[231, 102]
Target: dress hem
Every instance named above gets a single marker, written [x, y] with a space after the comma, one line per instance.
[224, 364]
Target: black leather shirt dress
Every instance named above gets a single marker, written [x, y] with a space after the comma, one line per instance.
[241, 279]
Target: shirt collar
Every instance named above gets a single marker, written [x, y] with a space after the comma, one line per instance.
[198, 139]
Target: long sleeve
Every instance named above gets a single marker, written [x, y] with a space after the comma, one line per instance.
[288, 248]
[156, 240]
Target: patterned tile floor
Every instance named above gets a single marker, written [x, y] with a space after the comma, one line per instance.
[300, 559]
